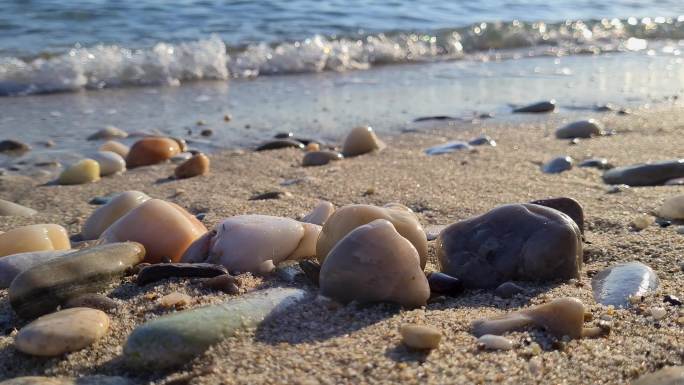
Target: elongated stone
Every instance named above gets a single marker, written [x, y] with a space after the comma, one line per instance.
[10, 145]
[539, 107]
[449, 147]
[441, 283]
[615, 285]
[109, 213]
[320, 213]
[580, 129]
[599, 163]
[645, 174]
[109, 132]
[177, 338]
[11, 209]
[320, 158]
[42, 288]
[420, 336]
[41, 237]
[157, 272]
[280, 143]
[558, 165]
[12, 265]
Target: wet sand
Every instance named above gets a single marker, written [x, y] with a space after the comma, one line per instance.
[317, 343]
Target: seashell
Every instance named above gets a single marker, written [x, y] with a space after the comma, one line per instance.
[524, 242]
[672, 208]
[109, 132]
[255, 243]
[109, 213]
[320, 213]
[560, 317]
[10, 209]
[347, 218]
[320, 158]
[42, 237]
[374, 263]
[361, 140]
[580, 129]
[151, 150]
[164, 228]
[83, 171]
[110, 162]
[197, 165]
[116, 147]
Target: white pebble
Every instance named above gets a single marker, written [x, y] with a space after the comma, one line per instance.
[658, 313]
[492, 342]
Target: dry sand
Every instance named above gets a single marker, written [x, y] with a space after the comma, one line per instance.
[316, 343]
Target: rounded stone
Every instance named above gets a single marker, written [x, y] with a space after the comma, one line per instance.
[508, 290]
[599, 163]
[92, 301]
[420, 336]
[672, 208]
[175, 299]
[492, 342]
[361, 140]
[197, 165]
[41, 237]
[61, 332]
[11, 209]
[558, 165]
[320, 158]
[374, 263]
[580, 129]
[152, 150]
[83, 171]
[645, 174]
[642, 221]
[109, 213]
[313, 146]
[110, 162]
[109, 132]
[116, 147]
[9, 145]
[482, 141]
[441, 283]
[524, 242]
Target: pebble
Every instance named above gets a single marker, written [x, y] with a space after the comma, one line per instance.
[539, 107]
[525, 242]
[62, 332]
[163, 228]
[483, 140]
[649, 174]
[177, 338]
[227, 117]
[12, 265]
[197, 165]
[361, 140]
[680, 229]
[560, 317]
[670, 375]
[280, 143]
[225, 283]
[420, 336]
[85, 380]
[108, 133]
[567, 206]
[443, 284]
[320, 158]
[270, 195]
[115, 147]
[558, 165]
[110, 162]
[9, 145]
[175, 300]
[672, 300]
[493, 342]
[599, 163]
[320, 213]
[207, 132]
[580, 129]
[152, 150]
[448, 148]
[347, 218]
[658, 313]
[81, 172]
[672, 208]
[160, 271]
[312, 270]
[435, 117]
[616, 284]
[41, 237]
[508, 290]
[116, 207]
[618, 189]
[374, 263]
[93, 301]
[255, 243]
[313, 147]
[11, 209]
[642, 221]
[42, 288]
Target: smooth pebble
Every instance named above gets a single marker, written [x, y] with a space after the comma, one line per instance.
[81, 172]
[420, 336]
[493, 342]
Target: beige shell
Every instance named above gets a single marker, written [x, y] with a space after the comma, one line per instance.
[374, 263]
[361, 140]
[105, 215]
[42, 237]
[347, 218]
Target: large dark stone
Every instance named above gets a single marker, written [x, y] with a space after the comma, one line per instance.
[10, 145]
[567, 206]
[519, 242]
[646, 174]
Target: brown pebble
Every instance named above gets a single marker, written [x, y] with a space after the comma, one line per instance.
[93, 301]
[152, 150]
[197, 165]
[225, 283]
[175, 299]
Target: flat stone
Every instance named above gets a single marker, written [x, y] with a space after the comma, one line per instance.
[599, 163]
[85, 380]
[645, 174]
[482, 141]
[558, 165]
[93, 301]
[449, 147]
[580, 129]
[11, 209]
[61, 332]
[12, 265]
[420, 336]
[444, 284]
[539, 107]
[440, 118]
[519, 242]
[280, 143]
[160, 271]
[616, 284]
[320, 158]
[508, 290]
[567, 206]
[177, 338]
[671, 375]
[9, 145]
[493, 342]
[42, 288]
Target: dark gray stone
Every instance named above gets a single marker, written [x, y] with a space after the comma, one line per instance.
[280, 143]
[558, 165]
[646, 174]
[540, 107]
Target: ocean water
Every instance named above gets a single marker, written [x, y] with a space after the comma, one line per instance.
[54, 46]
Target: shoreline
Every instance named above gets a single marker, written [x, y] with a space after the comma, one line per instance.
[353, 344]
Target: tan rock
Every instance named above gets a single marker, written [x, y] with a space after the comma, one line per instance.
[672, 208]
[107, 214]
[81, 172]
[175, 299]
[197, 165]
[420, 336]
[42, 237]
[361, 140]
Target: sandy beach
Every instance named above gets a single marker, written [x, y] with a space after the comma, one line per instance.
[319, 343]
